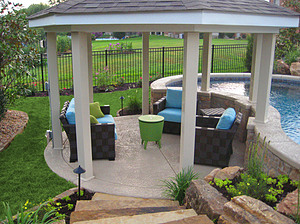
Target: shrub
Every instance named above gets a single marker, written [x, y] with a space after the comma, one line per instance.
[119, 35]
[230, 35]
[3, 104]
[134, 105]
[221, 35]
[248, 59]
[63, 43]
[176, 186]
[292, 56]
[256, 162]
[103, 79]
[288, 38]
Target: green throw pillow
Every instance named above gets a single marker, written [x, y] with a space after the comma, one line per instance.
[95, 110]
[93, 120]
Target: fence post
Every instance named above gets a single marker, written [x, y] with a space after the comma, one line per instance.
[106, 58]
[212, 58]
[163, 62]
[42, 72]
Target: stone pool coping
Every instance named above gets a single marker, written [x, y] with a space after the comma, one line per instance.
[281, 146]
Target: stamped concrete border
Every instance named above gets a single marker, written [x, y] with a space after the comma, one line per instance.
[283, 154]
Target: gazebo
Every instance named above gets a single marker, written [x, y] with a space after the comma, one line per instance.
[191, 17]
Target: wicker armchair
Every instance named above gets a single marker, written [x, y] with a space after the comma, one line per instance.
[214, 146]
[102, 134]
[169, 127]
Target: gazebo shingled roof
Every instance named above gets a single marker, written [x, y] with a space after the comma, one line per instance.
[110, 6]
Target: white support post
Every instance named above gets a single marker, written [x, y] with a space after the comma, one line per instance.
[189, 98]
[54, 90]
[265, 77]
[82, 109]
[145, 78]
[90, 65]
[256, 62]
[206, 61]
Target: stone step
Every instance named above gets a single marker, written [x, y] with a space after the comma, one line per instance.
[121, 204]
[77, 216]
[202, 219]
[102, 196]
[152, 218]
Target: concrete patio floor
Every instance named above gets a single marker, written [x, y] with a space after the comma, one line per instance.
[135, 172]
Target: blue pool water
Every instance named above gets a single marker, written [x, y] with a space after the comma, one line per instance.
[285, 97]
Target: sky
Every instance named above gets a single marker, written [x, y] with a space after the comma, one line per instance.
[27, 3]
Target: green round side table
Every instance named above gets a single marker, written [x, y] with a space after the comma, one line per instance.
[151, 127]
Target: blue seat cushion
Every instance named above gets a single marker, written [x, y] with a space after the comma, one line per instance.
[171, 114]
[227, 119]
[70, 115]
[108, 119]
[174, 98]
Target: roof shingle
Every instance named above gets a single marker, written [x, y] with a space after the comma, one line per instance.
[107, 6]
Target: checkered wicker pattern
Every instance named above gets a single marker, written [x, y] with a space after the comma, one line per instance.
[103, 137]
[214, 146]
[212, 111]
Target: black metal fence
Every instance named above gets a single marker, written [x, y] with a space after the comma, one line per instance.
[113, 65]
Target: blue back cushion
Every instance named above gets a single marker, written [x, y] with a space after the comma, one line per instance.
[108, 119]
[227, 119]
[70, 114]
[171, 114]
[174, 98]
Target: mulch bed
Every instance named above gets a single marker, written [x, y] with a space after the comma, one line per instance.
[65, 205]
[67, 92]
[12, 124]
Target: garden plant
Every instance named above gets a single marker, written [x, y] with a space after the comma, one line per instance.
[175, 187]
[254, 182]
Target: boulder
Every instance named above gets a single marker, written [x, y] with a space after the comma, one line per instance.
[229, 173]
[289, 204]
[244, 210]
[295, 69]
[210, 177]
[283, 68]
[205, 199]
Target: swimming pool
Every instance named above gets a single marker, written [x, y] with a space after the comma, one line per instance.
[285, 97]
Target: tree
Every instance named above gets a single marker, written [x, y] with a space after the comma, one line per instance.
[34, 8]
[55, 2]
[119, 35]
[15, 35]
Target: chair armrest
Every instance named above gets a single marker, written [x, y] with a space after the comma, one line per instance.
[159, 105]
[214, 131]
[105, 109]
[206, 121]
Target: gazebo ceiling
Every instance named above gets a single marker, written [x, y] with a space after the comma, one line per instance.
[166, 15]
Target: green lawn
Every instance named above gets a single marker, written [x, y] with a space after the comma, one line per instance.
[158, 41]
[24, 172]
[227, 58]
